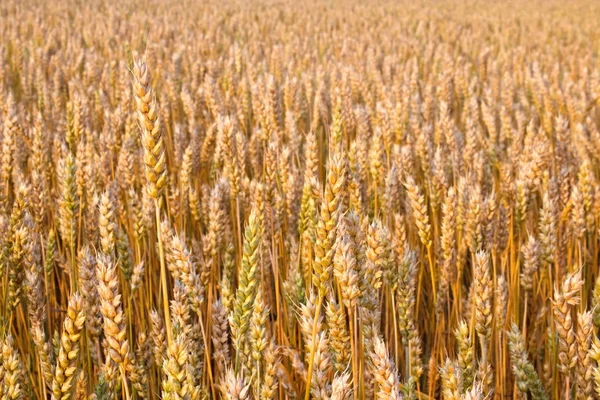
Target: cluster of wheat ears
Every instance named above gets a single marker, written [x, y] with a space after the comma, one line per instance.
[300, 200]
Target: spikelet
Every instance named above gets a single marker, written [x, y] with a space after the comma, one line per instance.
[112, 313]
[11, 372]
[220, 335]
[547, 233]
[465, 355]
[319, 384]
[175, 369]
[339, 337]
[18, 235]
[106, 225]
[89, 283]
[448, 244]
[500, 303]
[10, 129]
[179, 263]
[227, 133]
[475, 393]
[152, 138]
[595, 355]
[530, 263]
[325, 237]
[45, 354]
[257, 336]
[406, 293]
[596, 302]
[379, 253]
[124, 255]
[268, 387]
[139, 372]
[450, 381]
[415, 354]
[239, 320]
[68, 200]
[384, 372]
[584, 362]
[345, 270]
[525, 374]
[307, 321]
[340, 387]
[227, 293]
[159, 338]
[419, 211]
[235, 388]
[66, 368]
[566, 296]
[482, 297]
[36, 307]
[474, 223]
[482, 309]
[137, 276]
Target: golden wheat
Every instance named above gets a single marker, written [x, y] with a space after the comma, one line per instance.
[326, 200]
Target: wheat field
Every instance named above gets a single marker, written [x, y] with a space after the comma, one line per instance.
[299, 200]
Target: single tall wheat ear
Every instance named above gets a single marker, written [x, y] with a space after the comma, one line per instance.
[152, 136]
[155, 161]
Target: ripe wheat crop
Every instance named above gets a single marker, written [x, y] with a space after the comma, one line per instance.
[299, 200]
